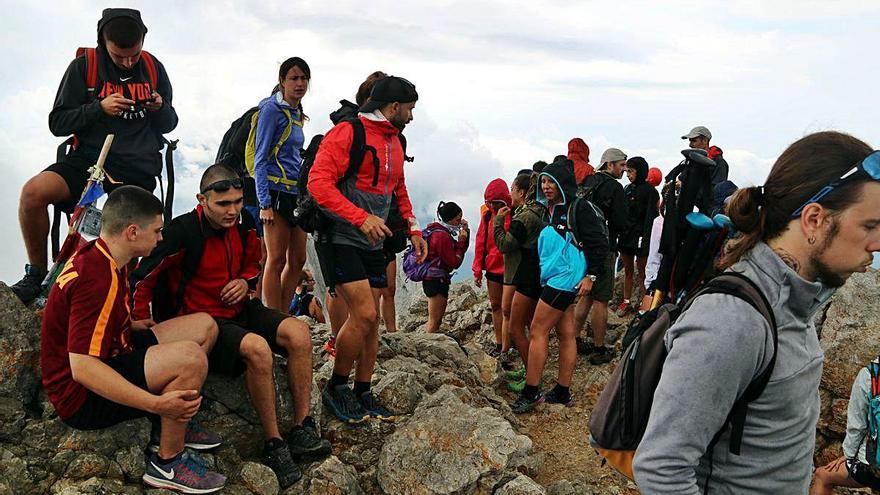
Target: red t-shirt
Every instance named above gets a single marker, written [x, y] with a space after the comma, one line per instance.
[87, 313]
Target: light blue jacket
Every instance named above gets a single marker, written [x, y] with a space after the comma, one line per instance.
[271, 124]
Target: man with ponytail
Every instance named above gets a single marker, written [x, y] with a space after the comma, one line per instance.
[815, 222]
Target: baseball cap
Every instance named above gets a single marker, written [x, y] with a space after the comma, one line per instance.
[612, 155]
[698, 131]
[389, 90]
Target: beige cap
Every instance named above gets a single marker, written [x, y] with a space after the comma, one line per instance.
[698, 131]
[612, 155]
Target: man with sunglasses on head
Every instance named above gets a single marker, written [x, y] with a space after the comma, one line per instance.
[814, 223]
[115, 88]
[209, 261]
[350, 248]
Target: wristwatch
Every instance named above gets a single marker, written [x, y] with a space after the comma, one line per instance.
[592, 278]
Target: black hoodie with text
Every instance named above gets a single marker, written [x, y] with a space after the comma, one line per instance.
[135, 153]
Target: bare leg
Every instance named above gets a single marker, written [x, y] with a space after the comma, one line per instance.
[521, 311]
[599, 322]
[581, 312]
[178, 365]
[506, 302]
[545, 318]
[293, 336]
[197, 327]
[495, 289]
[566, 332]
[831, 475]
[436, 310]
[338, 311]
[627, 275]
[277, 237]
[37, 194]
[260, 383]
[641, 263]
[293, 266]
[389, 313]
[358, 329]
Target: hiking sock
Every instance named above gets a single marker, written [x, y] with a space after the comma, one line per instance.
[274, 443]
[562, 392]
[360, 388]
[336, 380]
[530, 391]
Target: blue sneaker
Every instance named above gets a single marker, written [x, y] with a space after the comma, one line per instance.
[344, 404]
[525, 404]
[196, 438]
[374, 409]
[185, 474]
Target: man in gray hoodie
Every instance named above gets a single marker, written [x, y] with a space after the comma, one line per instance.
[814, 223]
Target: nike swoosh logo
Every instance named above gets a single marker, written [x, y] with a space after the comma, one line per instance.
[123, 79]
[167, 474]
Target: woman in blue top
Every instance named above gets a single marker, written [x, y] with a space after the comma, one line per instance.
[277, 160]
[564, 277]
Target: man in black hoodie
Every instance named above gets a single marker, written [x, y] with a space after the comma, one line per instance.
[125, 92]
[603, 190]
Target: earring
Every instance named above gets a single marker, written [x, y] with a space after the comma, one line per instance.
[811, 240]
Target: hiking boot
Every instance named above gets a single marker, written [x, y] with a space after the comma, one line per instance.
[517, 386]
[584, 346]
[330, 347]
[624, 309]
[344, 404]
[555, 397]
[185, 474]
[601, 356]
[525, 404]
[196, 438]
[303, 441]
[29, 287]
[374, 409]
[277, 457]
[516, 375]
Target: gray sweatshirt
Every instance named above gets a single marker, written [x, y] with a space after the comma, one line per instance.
[857, 417]
[715, 350]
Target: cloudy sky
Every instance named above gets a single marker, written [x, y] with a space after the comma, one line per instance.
[501, 84]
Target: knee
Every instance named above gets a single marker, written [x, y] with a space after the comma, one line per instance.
[496, 306]
[33, 194]
[294, 336]
[256, 354]
[191, 359]
[297, 258]
[210, 329]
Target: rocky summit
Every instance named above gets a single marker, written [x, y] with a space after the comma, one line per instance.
[454, 434]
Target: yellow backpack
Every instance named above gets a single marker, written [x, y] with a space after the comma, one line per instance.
[250, 149]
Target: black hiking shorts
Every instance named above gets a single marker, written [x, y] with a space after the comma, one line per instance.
[341, 264]
[225, 357]
[74, 170]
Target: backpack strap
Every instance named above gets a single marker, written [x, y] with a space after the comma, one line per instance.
[874, 372]
[285, 134]
[150, 64]
[402, 139]
[359, 146]
[194, 247]
[739, 286]
[91, 68]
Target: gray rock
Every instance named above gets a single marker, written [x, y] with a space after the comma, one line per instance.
[447, 447]
[332, 477]
[12, 419]
[259, 479]
[521, 485]
[19, 348]
[14, 471]
[400, 391]
[87, 466]
[131, 461]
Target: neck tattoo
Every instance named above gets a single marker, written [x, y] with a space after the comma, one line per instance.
[788, 259]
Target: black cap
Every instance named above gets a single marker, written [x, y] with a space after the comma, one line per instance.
[389, 90]
[109, 14]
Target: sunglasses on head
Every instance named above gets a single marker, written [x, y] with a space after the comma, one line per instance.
[224, 185]
[870, 165]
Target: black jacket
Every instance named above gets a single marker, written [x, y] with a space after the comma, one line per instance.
[641, 201]
[134, 155]
[606, 193]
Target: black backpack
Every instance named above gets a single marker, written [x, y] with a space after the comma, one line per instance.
[580, 207]
[620, 417]
[231, 152]
[307, 214]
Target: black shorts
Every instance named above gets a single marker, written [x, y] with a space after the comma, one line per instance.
[603, 287]
[74, 170]
[436, 288]
[98, 412]
[558, 299]
[639, 252]
[861, 474]
[533, 292]
[255, 318]
[284, 203]
[494, 277]
[341, 264]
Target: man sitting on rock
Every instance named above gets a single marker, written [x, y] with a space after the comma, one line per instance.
[101, 368]
[209, 260]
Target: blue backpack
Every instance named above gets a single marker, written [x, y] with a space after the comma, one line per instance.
[872, 452]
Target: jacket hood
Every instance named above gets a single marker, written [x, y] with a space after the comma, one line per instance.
[497, 190]
[109, 14]
[579, 154]
[641, 166]
[346, 110]
[562, 172]
[714, 151]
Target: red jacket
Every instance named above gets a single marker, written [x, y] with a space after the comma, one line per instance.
[442, 245]
[225, 257]
[367, 193]
[487, 257]
[579, 154]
